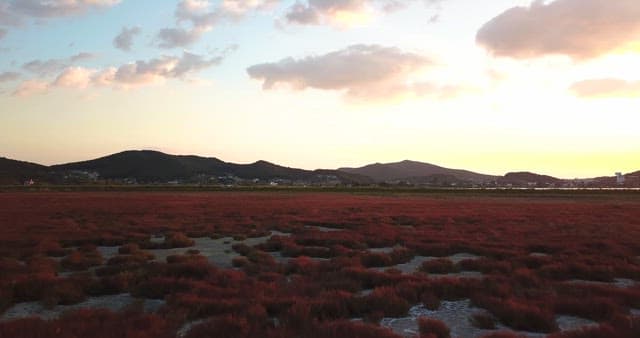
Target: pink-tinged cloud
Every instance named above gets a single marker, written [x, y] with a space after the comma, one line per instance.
[342, 12]
[9, 76]
[74, 77]
[606, 88]
[239, 8]
[31, 87]
[200, 17]
[52, 66]
[132, 75]
[580, 29]
[359, 71]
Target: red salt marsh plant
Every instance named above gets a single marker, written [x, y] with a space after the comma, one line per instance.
[91, 323]
[438, 266]
[81, 260]
[519, 314]
[430, 327]
[588, 239]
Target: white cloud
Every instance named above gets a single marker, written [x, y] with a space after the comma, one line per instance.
[580, 29]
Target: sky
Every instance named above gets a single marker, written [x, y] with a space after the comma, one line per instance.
[494, 86]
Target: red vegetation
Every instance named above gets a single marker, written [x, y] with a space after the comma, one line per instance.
[50, 246]
[91, 323]
[430, 327]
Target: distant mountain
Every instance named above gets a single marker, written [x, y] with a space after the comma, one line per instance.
[529, 179]
[17, 172]
[146, 166]
[154, 166]
[414, 171]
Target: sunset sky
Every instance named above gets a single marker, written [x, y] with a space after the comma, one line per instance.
[490, 86]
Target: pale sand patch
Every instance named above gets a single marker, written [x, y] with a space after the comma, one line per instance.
[415, 263]
[456, 315]
[322, 229]
[617, 282]
[111, 302]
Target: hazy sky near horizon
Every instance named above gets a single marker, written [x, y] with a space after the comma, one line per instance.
[490, 86]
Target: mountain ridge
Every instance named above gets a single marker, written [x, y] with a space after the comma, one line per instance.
[150, 166]
[408, 169]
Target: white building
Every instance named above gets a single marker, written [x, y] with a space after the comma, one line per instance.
[619, 178]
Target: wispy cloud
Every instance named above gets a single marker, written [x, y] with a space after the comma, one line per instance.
[9, 76]
[343, 12]
[606, 88]
[31, 87]
[51, 66]
[200, 17]
[580, 29]
[124, 40]
[130, 75]
[57, 8]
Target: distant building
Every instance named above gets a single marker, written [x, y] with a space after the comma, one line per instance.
[619, 178]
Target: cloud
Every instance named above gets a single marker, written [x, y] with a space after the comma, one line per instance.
[179, 37]
[130, 75]
[3, 33]
[124, 40]
[360, 71]
[15, 12]
[7, 17]
[200, 18]
[239, 8]
[9, 76]
[31, 87]
[160, 69]
[601, 88]
[580, 29]
[343, 12]
[51, 66]
[57, 8]
[74, 77]
[83, 56]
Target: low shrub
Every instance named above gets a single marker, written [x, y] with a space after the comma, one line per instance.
[433, 327]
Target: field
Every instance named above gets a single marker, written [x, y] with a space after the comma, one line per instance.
[332, 264]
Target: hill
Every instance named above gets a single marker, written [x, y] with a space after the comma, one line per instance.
[155, 166]
[17, 172]
[413, 171]
[525, 178]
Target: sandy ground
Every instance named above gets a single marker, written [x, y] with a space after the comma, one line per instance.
[113, 302]
[456, 315]
[617, 282]
[413, 265]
